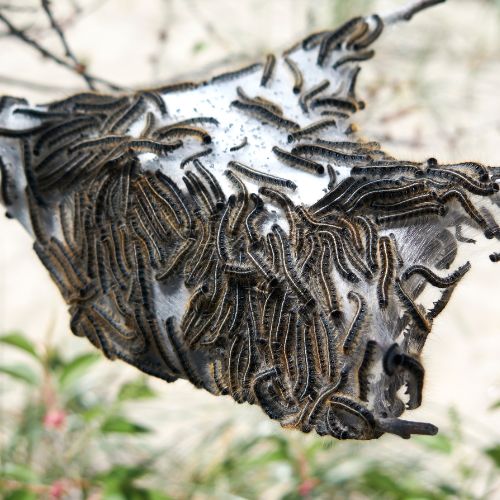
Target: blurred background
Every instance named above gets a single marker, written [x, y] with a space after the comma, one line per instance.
[74, 425]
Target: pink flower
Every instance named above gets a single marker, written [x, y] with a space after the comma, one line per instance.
[54, 419]
[307, 486]
[57, 489]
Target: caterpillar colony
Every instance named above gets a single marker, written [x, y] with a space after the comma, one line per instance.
[237, 232]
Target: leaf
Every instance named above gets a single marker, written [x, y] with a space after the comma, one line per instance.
[494, 454]
[122, 474]
[441, 443]
[19, 472]
[137, 389]
[267, 458]
[77, 367]
[93, 413]
[495, 406]
[20, 371]
[378, 480]
[122, 425]
[17, 339]
[118, 483]
[450, 490]
[158, 495]
[23, 494]
[199, 47]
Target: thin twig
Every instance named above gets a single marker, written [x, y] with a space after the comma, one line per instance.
[79, 67]
[163, 37]
[208, 26]
[407, 12]
[42, 50]
[34, 85]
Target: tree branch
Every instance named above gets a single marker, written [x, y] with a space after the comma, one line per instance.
[79, 67]
[46, 53]
[34, 85]
[407, 12]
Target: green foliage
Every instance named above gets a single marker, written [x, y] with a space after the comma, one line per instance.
[119, 483]
[21, 494]
[137, 389]
[73, 370]
[72, 435]
[20, 371]
[119, 424]
[494, 454]
[62, 428]
[495, 406]
[199, 47]
[18, 340]
[440, 443]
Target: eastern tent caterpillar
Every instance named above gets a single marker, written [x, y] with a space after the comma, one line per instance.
[268, 69]
[241, 145]
[266, 115]
[434, 279]
[311, 129]
[332, 38]
[357, 321]
[371, 36]
[420, 317]
[345, 105]
[425, 209]
[387, 272]
[233, 75]
[307, 95]
[364, 369]
[179, 131]
[257, 175]
[298, 79]
[357, 57]
[297, 161]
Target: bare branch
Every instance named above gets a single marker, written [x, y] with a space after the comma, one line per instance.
[407, 12]
[46, 53]
[208, 26]
[34, 85]
[80, 68]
